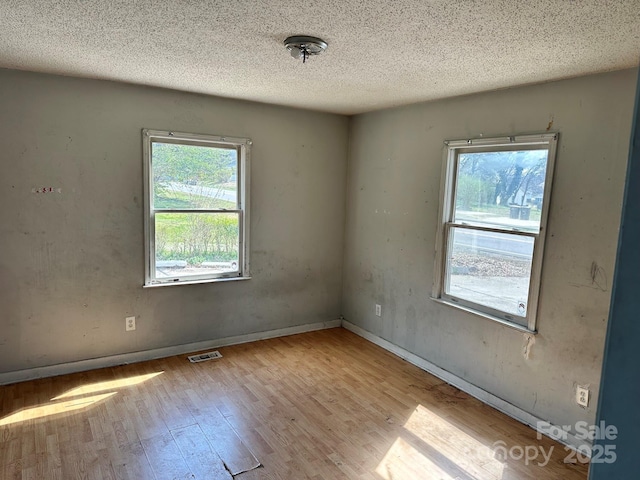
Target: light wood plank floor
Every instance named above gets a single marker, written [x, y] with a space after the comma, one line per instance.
[322, 405]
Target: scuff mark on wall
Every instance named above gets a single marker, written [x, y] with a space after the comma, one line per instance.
[529, 341]
[550, 122]
[598, 277]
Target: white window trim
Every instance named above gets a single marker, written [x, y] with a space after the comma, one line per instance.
[447, 194]
[243, 145]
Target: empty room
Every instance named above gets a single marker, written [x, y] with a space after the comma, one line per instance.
[352, 240]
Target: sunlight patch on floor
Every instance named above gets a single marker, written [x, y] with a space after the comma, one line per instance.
[107, 385]
[431, 447]
[49, 409]
[78, 399]
[403, 461]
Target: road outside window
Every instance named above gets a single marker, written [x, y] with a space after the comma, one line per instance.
[494, 209]
[196, 207]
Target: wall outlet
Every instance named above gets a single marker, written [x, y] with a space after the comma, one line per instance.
[582, 396]
[378, 310]
[130, 323]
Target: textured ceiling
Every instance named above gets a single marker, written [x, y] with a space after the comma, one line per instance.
[381, 53]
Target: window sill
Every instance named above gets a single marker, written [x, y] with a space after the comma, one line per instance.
[196, 282]
[506, 323]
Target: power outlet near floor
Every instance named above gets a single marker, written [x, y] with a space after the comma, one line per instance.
[378, 310]
[582, 396]
[130, 323]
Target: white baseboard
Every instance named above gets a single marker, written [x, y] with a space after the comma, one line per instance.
[133, 357]
[477, 392]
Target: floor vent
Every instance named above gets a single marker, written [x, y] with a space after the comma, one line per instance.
[201, 357]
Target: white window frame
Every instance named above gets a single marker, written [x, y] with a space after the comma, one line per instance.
[452, 150]
[243, 147]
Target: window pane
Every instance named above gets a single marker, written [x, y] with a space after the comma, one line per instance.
[194, 177]
[490, 269]
[501, 189]
[196, 243]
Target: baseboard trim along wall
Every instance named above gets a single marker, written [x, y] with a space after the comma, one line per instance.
[477, 392]
[133, 357]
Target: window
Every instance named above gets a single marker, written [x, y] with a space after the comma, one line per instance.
[196, 208]
[494, 204]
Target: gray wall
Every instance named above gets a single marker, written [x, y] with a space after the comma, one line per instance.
[71, 263]
[393, 190]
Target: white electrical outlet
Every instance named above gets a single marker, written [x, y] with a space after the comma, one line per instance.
[130, 323]
[378, 310]
[582, 396]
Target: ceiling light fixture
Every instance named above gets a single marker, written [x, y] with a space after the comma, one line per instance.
[302, 46]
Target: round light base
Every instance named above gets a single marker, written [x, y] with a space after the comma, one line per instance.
[302, 46]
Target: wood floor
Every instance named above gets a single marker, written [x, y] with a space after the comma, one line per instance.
[322, 405]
